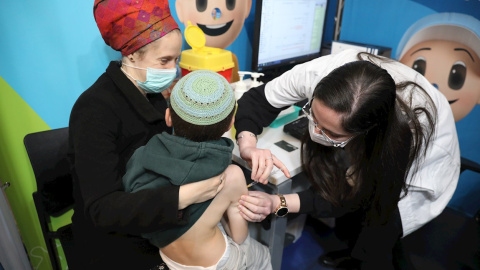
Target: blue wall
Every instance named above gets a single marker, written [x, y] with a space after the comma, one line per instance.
[52, 52]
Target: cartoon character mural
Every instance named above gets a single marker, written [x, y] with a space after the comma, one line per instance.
[220, 20]
[445, 48]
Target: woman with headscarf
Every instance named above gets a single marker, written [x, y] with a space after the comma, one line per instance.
[120, 112]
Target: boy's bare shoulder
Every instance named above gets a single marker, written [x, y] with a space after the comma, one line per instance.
[235, 179]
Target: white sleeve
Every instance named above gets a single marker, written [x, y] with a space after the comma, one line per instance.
[298, 83]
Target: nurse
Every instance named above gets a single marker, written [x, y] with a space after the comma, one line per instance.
[381, 152]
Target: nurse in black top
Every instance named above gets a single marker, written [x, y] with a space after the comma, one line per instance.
[120, 112]
[381, 152]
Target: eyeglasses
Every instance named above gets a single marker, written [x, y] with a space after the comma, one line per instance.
[334, 143]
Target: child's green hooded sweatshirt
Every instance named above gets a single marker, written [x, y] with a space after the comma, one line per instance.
[171, 160]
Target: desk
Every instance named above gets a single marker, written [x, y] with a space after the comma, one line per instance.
[278, 183]
[267, 140]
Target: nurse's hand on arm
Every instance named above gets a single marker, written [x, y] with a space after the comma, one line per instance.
[261, 161]
[201, 191]
[257, 205]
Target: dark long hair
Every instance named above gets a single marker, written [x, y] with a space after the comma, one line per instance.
[390, 139]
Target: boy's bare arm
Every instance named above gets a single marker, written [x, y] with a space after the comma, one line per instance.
[236, 187]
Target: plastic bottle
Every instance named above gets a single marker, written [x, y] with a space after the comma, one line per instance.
[240, 86]
[255, 76]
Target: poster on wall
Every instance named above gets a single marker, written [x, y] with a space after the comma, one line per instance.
[445, 48]
[220, 21]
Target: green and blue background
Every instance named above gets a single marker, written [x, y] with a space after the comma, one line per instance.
[52, 51]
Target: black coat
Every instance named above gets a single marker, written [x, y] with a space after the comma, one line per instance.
[107, 123]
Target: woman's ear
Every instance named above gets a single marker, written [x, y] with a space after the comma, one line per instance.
[168, 118]
[130, 59]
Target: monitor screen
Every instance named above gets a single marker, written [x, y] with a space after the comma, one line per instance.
[286, 33]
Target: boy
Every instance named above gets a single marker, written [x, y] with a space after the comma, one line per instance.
[202, 105]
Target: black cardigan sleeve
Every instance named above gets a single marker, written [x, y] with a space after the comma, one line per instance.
[254, 111]
[311, 202]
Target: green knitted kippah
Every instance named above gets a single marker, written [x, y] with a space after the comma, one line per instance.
[202, 97]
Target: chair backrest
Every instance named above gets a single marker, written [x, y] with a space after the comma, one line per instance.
[470, 165]
[47, 151]
[449, 241]
[467, 164]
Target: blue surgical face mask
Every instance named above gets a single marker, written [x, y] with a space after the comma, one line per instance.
[158, 80]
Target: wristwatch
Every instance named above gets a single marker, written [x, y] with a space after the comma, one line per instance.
[282, 209]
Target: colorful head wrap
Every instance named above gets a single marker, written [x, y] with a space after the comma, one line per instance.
[202, 97]
[128, 25]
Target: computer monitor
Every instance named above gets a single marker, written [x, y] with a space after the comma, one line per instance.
[286, 33]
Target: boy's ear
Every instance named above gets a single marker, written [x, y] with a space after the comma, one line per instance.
[168, 118]
[231, 123]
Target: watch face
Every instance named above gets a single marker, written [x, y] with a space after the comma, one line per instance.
[282, 212]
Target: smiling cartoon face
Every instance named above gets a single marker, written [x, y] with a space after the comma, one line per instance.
[452, 68]
[220, 20]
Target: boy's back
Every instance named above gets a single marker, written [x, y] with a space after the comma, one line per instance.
[204, 244]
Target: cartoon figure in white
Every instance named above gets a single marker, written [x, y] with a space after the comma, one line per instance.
[445, 48]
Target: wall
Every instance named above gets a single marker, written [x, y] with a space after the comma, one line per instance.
[52, 52]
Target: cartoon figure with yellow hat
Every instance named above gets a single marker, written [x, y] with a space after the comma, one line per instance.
[445, 48]
[220, 20]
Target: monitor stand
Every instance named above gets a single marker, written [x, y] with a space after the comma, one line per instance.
[273, 73]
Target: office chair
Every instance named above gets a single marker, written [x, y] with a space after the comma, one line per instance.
[450, 241]
[467, 164]
[47, 151]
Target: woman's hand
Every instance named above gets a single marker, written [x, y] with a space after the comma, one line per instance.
[257, 205]
[261, 161]
[200, 191]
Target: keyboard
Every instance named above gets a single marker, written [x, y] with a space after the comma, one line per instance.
[297, 127]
